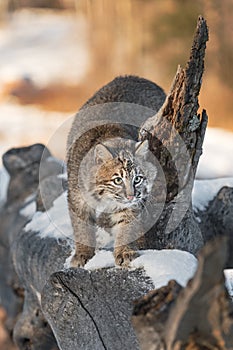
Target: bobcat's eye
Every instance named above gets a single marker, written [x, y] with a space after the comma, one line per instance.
[138, 179]
[118, 180]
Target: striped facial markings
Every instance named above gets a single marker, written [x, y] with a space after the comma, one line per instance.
[121, 180]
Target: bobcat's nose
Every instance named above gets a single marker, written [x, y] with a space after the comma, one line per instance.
[130, 197]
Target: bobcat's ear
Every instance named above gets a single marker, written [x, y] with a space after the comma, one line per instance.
[142, 149]
[102, 154]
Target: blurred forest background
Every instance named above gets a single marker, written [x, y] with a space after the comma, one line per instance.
[54, 54]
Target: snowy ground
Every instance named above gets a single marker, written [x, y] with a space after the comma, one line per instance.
[47, 47]
[26, 125]
[43, 46]
[217, 158]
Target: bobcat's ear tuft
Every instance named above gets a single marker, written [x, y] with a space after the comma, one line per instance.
[142, 149]
[102, 154]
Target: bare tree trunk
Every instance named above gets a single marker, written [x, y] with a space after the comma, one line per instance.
[176, 135]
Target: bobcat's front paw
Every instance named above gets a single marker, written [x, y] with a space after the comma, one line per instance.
[81, 258]
[124, 256]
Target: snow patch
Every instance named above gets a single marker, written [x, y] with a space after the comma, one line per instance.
[217, 158]
[165, 265]
[104, 239]
[4, 181]
[63, 176]
[54, 223]
[160, 265]
[229, 281]
[29, 210]
[102, 259]
[27, 124]
[205, 190]
[68, 260]
[34, 52]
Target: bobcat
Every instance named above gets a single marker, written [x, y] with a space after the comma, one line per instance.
[110, 173]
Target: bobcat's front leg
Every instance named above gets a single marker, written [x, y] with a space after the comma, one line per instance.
[125, 245]
[85, 241]
[124, 255]
[82, 254]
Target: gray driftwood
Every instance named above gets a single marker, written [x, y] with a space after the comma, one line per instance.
[92, 310]
[23, 166]
[95, 307]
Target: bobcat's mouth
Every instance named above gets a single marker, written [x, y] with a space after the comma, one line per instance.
[135, 202]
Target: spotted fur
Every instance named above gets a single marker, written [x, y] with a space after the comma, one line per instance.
[117, 192]
[94, 199]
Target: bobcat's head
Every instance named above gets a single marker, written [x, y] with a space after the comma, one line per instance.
[124, 177]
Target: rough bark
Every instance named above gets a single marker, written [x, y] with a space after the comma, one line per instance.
[23, 165]
[196, 317]
[217, 219]
[150, 314]
[94, 307]
[202, 316]
[176, 135]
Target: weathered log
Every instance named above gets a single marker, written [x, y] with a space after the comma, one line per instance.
[196, 317]
[95, 307]
[23, 165]
[44, 256]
